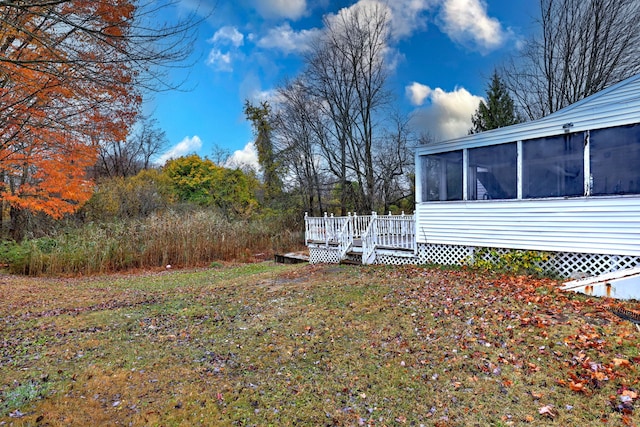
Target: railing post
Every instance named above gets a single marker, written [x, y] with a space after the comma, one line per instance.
[326, 230]
[415, 234]
[333, 225]
[306, 227]
[374, 225]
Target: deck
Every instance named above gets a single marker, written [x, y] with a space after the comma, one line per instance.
[362, 237]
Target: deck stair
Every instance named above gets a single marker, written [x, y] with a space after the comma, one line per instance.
[362, 238]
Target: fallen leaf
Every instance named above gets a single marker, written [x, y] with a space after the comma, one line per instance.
[536, 395]
[576, 386]
[621, 362]
[548, 411]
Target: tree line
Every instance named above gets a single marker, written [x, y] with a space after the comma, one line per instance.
[73, 74]
[331, 133]
[72, 77]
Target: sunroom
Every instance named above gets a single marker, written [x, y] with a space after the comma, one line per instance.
[567, 184]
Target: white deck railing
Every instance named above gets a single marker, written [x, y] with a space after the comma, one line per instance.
[360, 224]
[375, 231]
[396, 232]
[325, 229]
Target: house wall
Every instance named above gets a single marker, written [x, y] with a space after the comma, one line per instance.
[593, 225]
[588, 225]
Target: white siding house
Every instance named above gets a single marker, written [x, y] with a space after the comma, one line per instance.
[568, 183]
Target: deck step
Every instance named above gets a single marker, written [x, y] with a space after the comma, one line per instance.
[291, 258]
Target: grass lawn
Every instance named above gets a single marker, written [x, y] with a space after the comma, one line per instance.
[266, 344]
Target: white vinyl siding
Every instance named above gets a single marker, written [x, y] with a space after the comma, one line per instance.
[602, 225]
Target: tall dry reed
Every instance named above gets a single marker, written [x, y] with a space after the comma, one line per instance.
[184, 239]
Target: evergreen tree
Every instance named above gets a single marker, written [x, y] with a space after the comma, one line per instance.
[497, 111]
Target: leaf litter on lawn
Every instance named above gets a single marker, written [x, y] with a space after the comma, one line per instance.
[316, 345]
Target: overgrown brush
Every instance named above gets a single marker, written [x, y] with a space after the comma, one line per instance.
[184, 239]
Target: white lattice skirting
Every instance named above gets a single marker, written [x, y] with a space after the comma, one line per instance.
[565, 264]
[324, 256]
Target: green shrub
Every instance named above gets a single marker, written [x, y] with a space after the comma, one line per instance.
[512, 261]
[15, 255]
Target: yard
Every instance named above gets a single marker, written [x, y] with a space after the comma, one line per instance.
[266, 344]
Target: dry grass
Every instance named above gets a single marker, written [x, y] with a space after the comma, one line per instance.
[265, 344]
[186, 239]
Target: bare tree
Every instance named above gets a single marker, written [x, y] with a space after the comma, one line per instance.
[583, 46]
[347, 72]
[300, 133]
[128, 157]
[328, 80]
[394, 163]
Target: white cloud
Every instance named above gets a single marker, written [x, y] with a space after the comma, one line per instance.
[363, 8]
[466, 22]
[284, 38]
[188, 145]
[245, 158]
[220, 61]
[270, 95]
[417, 93]
[448, 114]
[408, 16]
[288, 9]
[405, 17]
[228, 35]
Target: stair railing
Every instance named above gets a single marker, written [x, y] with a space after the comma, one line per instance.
[345, 236]
[370, 240]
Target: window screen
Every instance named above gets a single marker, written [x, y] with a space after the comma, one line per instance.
[615, 160]
[492, 172]
[553, 166]
[442, 176]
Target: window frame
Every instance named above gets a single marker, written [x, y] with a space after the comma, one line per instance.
[584, 165]
[493, 193]
[444, 161]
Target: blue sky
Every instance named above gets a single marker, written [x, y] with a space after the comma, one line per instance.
[444, 52]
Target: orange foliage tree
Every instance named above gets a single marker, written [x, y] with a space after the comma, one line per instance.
[71, 75]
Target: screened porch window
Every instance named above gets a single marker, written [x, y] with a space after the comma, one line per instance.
[553, 166]
[615, 160]
[492, 172]
[443, 176]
